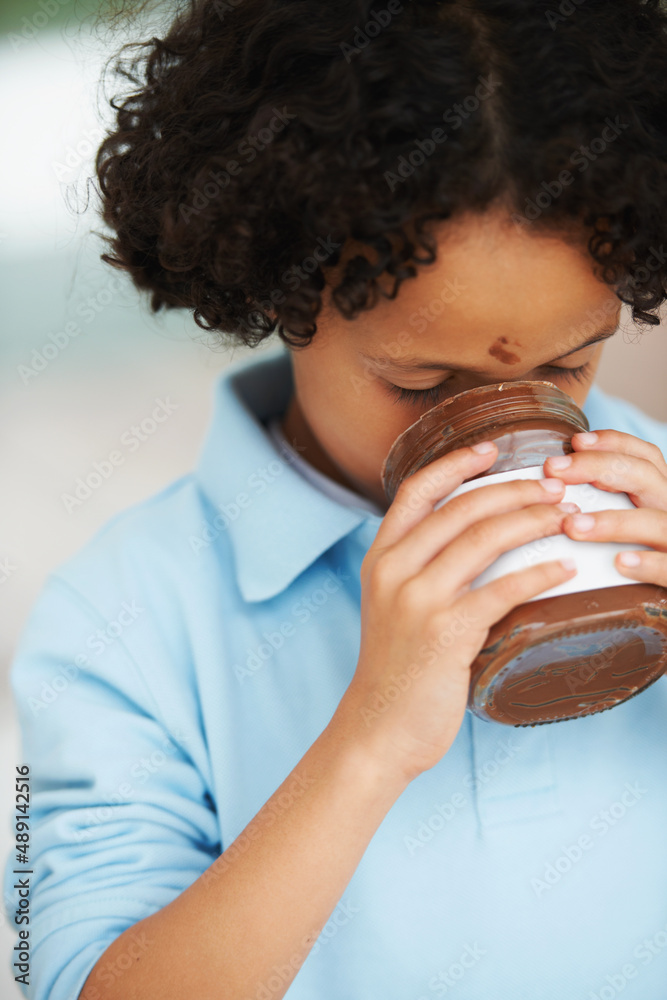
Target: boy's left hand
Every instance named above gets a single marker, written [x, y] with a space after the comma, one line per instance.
[620, 463]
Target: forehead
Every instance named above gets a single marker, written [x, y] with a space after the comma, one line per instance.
[494, 292]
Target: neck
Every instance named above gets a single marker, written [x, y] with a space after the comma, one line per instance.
[302, 439]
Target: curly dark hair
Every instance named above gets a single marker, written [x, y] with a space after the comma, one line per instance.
[260, 136]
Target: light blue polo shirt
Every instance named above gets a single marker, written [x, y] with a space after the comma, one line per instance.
[174, 671]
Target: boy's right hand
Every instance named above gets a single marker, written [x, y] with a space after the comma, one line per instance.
[421, 623]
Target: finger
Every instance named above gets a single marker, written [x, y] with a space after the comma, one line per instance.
[491, 602]
[480, 545]
[442, 526]
[649, 567]
[643, 526]
[613, 472]
[619, 441]
[417, 494]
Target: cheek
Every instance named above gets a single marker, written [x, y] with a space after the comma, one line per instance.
[378, 413]
[390, 416]
[356, 422]
[369, 422]
[578, 394]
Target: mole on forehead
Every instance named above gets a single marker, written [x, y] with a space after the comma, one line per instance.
[500, 353]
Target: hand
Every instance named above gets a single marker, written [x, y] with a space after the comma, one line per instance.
[421, 623]
[618, 462]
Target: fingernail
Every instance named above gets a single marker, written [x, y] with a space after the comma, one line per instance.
[629, 559]
[568, 563]
[583, 522]
[560, 462]
[586, 437]
[483, 447]
[552, 485]
[568, 508]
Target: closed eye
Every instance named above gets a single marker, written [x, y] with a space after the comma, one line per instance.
[436, 392]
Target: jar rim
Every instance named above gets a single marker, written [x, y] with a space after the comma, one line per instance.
[505, 402]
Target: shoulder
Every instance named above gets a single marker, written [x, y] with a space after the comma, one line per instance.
[118, 616]
[611, 412]
[156, 539]
[141, 580]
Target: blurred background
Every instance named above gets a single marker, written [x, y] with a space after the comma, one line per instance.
[66, 406]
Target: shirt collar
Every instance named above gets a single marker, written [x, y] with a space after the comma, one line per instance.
[278, 523]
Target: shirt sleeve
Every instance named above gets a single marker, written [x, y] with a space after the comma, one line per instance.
[121, 819]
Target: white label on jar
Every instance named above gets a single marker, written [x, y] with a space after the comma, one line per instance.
[594, 560]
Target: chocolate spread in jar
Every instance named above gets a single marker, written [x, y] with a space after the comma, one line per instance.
[583, 646]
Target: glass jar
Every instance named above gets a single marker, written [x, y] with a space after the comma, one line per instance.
[583, 646]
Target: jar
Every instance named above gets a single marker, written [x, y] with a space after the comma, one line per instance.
[582, 646]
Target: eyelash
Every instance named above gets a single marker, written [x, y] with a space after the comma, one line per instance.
[433, 394]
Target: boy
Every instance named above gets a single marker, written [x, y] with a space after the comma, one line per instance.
[267, 782]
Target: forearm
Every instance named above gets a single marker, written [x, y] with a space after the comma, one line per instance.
[265, 900]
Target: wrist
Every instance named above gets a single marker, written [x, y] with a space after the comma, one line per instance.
[368, 754]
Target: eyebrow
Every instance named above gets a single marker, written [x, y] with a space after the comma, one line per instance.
[419, 364]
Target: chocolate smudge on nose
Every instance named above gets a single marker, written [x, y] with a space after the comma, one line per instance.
[502, 354]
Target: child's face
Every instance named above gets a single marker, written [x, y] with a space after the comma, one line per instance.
[499, 304]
